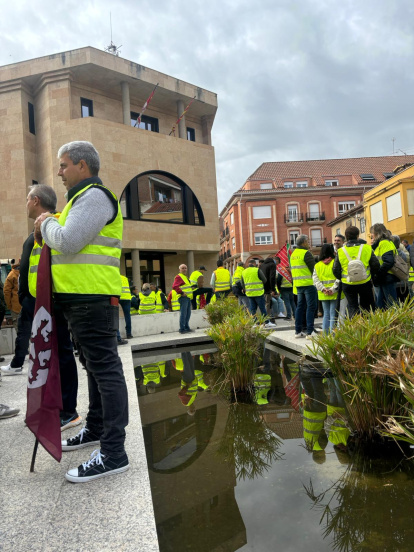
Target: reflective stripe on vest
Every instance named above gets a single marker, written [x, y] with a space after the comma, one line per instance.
[159, 307]
[312, 426]
[262, 385]
[187, 287]
[237, 275]
[94, 269]
[192, 390]
[195, 276]
[285, 283]
[327, 279]
[175, 303]
[252, 283]
[126, 292]
[301, 275]
[222, 282]
[151, 373]
[383, 247]
[147, 303]
[34, 263]
[353, 253]
[200, 379]
[411, 274]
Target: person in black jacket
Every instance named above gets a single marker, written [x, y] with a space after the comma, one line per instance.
[268, 267]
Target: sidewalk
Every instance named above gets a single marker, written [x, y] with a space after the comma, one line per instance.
[41, 511]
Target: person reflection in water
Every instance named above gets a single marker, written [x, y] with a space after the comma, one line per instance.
[191, 381]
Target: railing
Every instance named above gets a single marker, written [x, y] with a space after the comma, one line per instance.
[315, 217]
[317, 242]
[293, 217]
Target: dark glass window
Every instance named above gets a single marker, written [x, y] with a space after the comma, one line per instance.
[86, 107]
[32, 127]
[147, 123]
[158, 196]
[190, 134]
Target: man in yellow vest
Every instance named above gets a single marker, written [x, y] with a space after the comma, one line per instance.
[236, 286]
[220, 281]
[253, 281]
[86, 245]
[161, 303]
[359, 294]
[197, 281]
[302, 264]
[183, 287]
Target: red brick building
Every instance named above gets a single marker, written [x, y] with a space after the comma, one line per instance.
[282, 200]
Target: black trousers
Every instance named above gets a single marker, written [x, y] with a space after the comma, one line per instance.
[360, 297]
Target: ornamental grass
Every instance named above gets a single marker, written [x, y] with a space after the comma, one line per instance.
[221, 309]
[356, 353]
[240, 340]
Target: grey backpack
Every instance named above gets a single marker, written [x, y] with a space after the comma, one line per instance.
[356, 268]
[401, 268]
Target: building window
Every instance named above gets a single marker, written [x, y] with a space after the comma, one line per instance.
[388, 175]
[316, 238]
[147, 123]
[314, 211]
[344, 206]
[362, 225]
[288, 184]
[232, 218]
[263, 238]
[293, 215]
[32, 127]
[331, 183]
[233, 243]
[376, 213]
[191, 134]
[293, 235]
[158, 196]
[338, 231]
[394, 209]
[262, 212]
[303, 184]
[266, 186]
[86, 107]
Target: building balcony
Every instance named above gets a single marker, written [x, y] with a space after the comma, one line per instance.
[315, 217]
[293, 219]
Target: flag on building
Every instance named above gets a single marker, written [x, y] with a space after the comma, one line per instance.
[144, 107]
[284, 256]
[181, 116]
[44, 398]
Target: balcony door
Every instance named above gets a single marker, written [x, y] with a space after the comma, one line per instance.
[293, 213]
[314, 211]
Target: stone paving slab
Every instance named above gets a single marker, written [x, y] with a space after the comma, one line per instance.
[41, 511]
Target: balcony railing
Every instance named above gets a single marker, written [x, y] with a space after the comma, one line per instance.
[293, 218]
[315, 217]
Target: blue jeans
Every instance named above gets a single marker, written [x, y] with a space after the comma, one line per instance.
[287, 296]
[255, 302]
[328, 321]
[94, 326]
[126, 308]
[307, 298]
[385, 295]
[185, 313]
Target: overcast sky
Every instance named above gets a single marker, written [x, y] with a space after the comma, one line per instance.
[296, 79]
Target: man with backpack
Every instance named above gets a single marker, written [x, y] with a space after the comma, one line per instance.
[355, 264]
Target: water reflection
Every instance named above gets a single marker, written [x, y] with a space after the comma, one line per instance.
[369, 507]
[216, 479]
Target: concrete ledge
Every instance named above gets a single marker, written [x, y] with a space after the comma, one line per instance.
[41, 511]
[165, 322]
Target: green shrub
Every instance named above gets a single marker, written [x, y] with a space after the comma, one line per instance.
[221, 309]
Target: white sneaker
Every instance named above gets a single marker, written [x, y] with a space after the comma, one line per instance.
[270, 325]
[312, 335]
[9, 371]
[300, 334]
[281, 315]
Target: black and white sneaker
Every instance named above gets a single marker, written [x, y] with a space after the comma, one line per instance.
[84, 438]
[99, 465]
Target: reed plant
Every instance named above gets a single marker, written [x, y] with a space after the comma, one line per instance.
[354, 351]
[240, 340]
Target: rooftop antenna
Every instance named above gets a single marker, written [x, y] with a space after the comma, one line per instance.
[112, 49]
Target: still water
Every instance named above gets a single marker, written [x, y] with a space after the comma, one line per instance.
[228, 477]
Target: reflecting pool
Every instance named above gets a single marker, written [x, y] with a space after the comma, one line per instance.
[251, 477]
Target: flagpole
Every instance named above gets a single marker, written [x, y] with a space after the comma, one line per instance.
[181, 116]
[144, 107]
[34, 456]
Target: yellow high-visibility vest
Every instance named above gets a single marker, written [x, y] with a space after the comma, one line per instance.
[301, 275]
[222, 282]
[353, 252]
[252, 283]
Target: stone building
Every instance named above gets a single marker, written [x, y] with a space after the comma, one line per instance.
[282, 200]
[166, 182]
